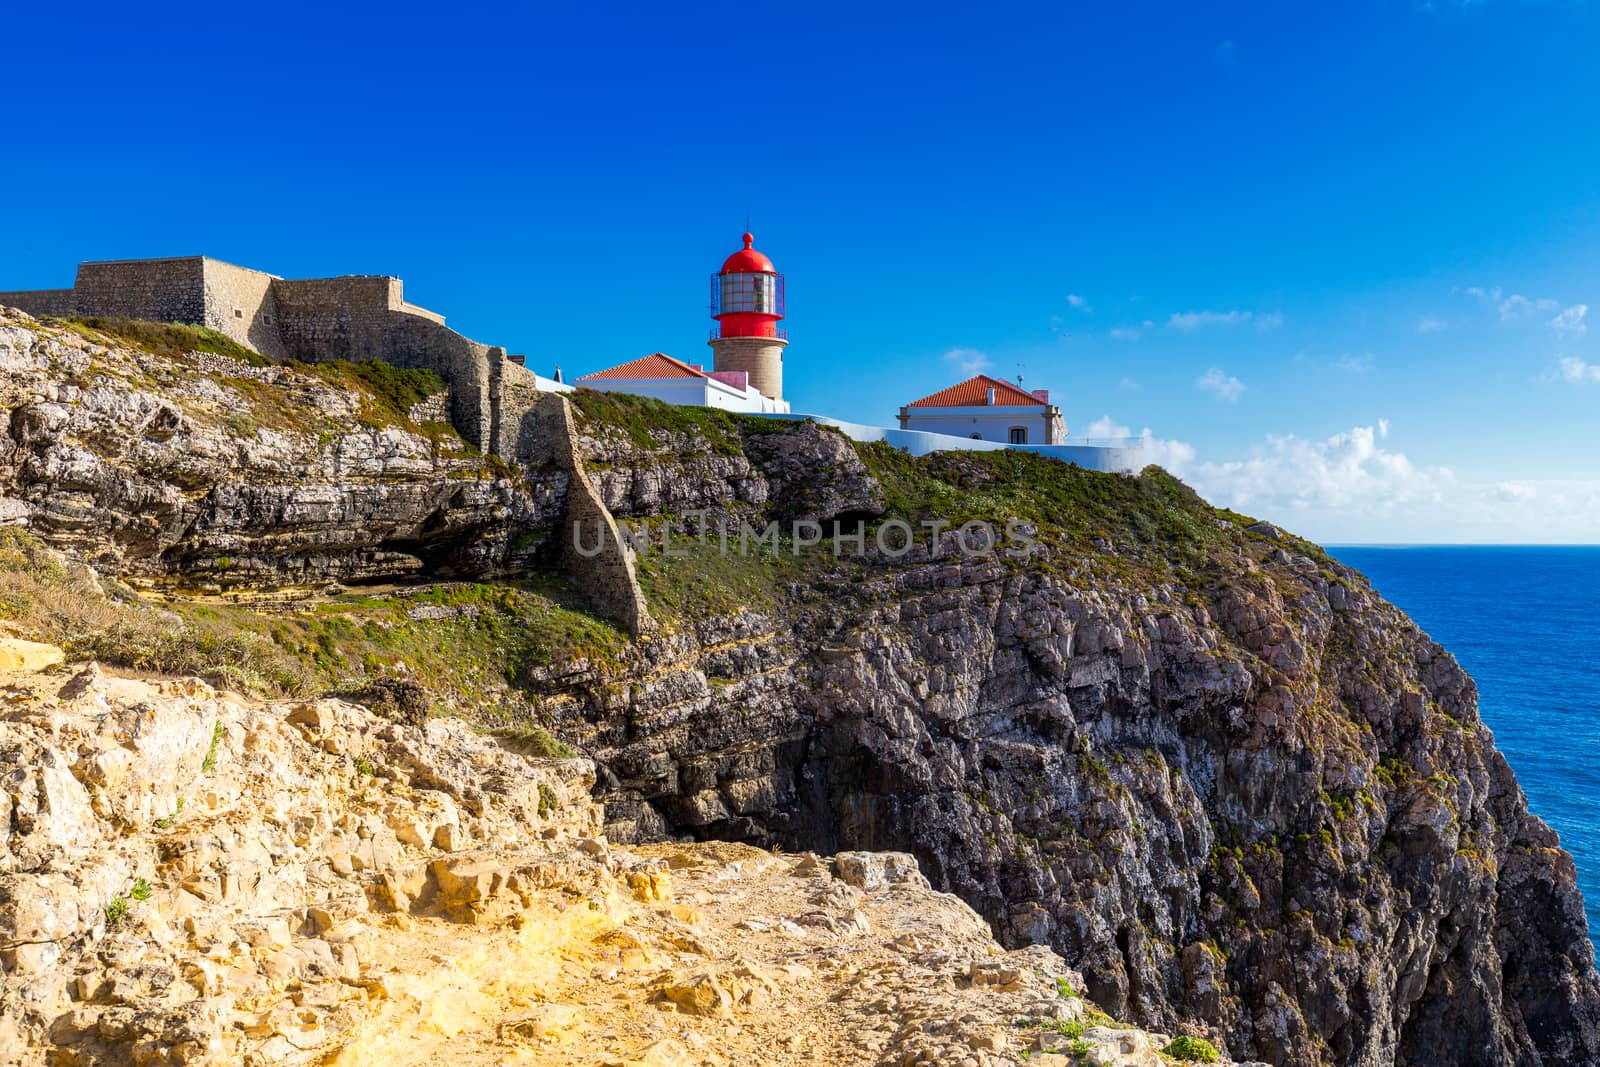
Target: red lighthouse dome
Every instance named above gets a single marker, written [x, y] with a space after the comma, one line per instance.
[747, 295]
[748, 259]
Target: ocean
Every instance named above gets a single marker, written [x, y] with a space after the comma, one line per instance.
[1525, 623]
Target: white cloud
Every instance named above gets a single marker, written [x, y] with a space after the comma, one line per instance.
[1288, 473]
[1431, 325]
[1225, 386]
[1578, 372]
[1189, 320]
[1355, 364]
[970, 360]
[1513, 305]
[1571, 321]
[1175, 456]
[1105, 426]
[1193, 320]
[1352, 487]
[1131, 333]
[1078, 303]
[1128, 383]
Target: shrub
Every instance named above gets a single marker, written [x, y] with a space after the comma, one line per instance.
[534, 741]
[218, 732]
[1192, 1050]
[548, 801]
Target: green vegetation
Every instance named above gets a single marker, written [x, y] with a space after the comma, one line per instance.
[166, 822]
[390, 391]
[116, 912]
[492, 635]
[364, 767]
[140, 890]
[532, 740]
[640, 416]
[1064, 989]
[171, 339]
[218, 732]
[548, 801]
[1192, 1050]
[46, 598]
[1079, 1047]
[705, 581]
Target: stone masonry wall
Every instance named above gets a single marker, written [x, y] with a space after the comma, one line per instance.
[607, 577]
[40, 302]
[158, 290]
[514, 393]
[366, 317]
[240, 303]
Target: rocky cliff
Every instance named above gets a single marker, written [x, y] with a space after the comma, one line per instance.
[191, 877]
[1192, 754]
[213, 470]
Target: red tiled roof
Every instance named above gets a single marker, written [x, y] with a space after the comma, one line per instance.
[974, 392]
[656, 365]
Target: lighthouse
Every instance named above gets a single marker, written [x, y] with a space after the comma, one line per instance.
[747, 302]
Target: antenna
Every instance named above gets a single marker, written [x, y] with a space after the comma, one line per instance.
[1019, 372]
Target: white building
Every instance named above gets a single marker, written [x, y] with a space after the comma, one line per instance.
[988, 409]
[664, 378]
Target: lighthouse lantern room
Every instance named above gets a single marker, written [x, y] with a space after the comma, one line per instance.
[747, 302]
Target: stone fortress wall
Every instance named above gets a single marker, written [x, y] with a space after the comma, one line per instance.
[497, 405]
[355, 317]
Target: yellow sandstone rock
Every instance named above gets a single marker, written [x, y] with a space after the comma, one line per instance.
[19, 655]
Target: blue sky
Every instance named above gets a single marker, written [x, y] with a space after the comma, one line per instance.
[1337, 259]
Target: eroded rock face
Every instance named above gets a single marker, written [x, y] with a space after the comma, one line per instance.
[169, 469]
[1266, 804]
[187, 877]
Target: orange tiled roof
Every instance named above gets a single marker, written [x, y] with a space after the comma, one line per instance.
[656, 365]
[974, 392]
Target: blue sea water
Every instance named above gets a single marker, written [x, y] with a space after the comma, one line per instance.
[1525, 623]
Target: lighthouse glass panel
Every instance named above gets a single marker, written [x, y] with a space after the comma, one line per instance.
[751, 293]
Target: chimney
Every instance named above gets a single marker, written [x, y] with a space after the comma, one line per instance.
[1042, 395]
[990, 398]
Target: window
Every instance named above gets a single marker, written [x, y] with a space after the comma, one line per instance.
[1019, 435]
[267, 319]
[238, 313]
[977, 437]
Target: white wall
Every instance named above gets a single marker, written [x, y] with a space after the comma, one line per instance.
[990, 423]
[692, 392]
[1128, 456]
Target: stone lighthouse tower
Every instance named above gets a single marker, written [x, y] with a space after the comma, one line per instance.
[747, 302]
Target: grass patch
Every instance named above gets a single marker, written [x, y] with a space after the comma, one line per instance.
[640, 418]
[117, 913]
[1192, 1050]
[391, 391]
[705, 581]
[170, 339]
[536, 741]
[45, 597]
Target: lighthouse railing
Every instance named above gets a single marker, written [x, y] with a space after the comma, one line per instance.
[777, 331]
